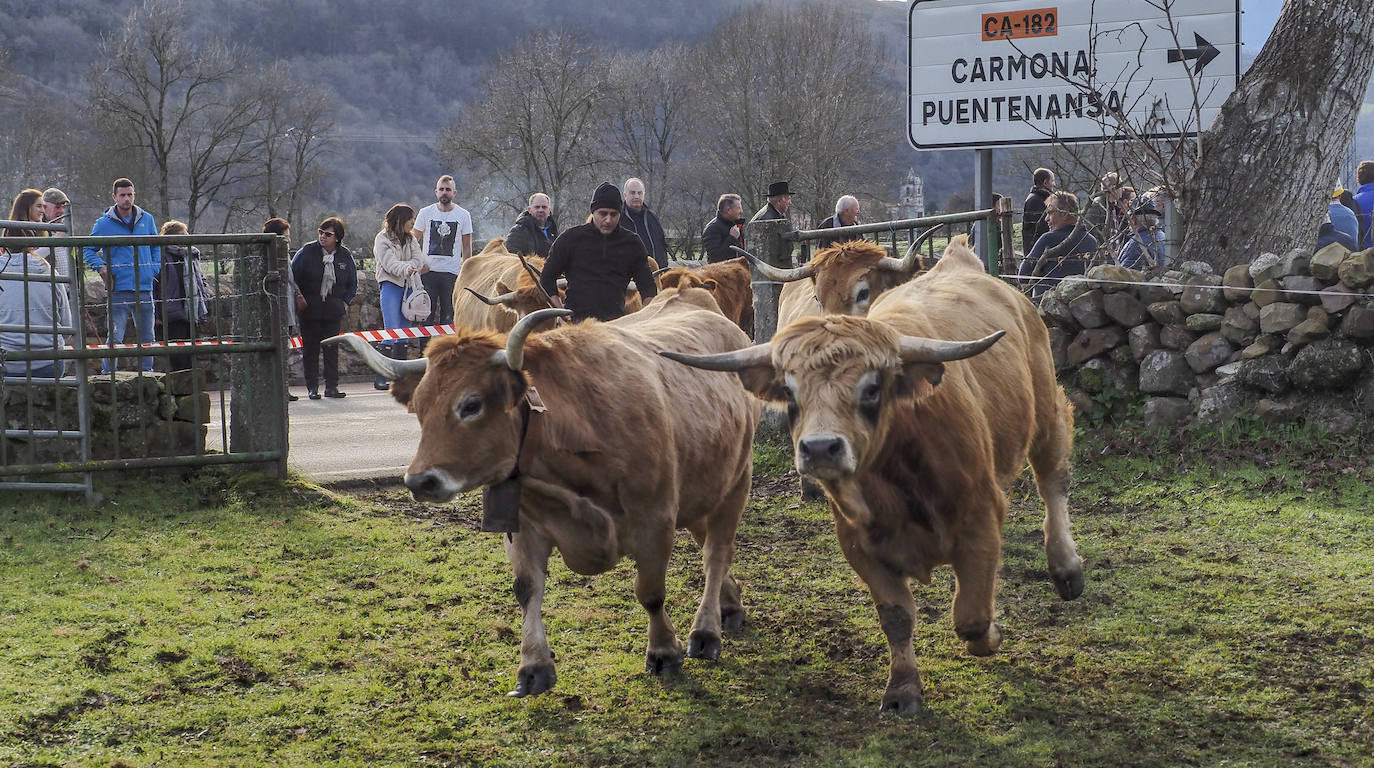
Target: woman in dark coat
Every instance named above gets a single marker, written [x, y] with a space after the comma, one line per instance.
[325, 273]
[183, 298]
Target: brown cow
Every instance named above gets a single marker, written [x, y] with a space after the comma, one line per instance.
[728, 280]
[915, 450]
[846, 278]
[481, 274]
[631, 448]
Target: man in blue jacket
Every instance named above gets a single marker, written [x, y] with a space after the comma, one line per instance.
[1364, 197]
[126, 270]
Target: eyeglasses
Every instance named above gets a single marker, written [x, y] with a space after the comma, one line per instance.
[326, 233]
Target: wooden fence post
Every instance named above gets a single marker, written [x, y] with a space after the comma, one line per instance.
[763, 238]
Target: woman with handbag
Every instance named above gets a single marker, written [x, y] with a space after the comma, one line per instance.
[181, 293]
[399, 259]
[325, 272]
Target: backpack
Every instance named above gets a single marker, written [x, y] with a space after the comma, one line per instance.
[415, 303]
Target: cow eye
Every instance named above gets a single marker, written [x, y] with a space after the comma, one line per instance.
[470, 407]
[870, 393]
[861, 295]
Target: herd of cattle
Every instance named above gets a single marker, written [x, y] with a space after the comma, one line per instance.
[912, 401]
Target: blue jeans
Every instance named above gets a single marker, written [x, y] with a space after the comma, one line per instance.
[392, 294]
[124, 304]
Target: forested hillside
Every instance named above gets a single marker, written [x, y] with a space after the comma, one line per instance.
[391, 78]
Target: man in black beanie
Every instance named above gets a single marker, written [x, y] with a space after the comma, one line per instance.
[599, 259]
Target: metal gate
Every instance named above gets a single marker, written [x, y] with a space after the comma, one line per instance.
[65, 422]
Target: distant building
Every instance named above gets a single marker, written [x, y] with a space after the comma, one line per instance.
[911, 200]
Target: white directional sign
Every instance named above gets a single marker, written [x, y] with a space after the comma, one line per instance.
[987, 74]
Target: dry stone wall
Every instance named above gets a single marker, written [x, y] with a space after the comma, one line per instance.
[1285, 338]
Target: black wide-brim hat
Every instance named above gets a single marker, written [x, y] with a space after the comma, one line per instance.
[778, 188]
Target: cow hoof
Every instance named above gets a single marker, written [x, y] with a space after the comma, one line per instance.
[662, 663]
[534, 680]
[811, 490]
[731, 618]
[1069, 587]
[903, 701]
[987, 644]
[704, 645]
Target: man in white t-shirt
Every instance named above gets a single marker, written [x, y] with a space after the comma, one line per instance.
[444, 230]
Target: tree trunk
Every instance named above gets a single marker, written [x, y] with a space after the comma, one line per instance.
[1270, 161]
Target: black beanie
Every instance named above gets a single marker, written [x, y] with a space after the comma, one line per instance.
[607, 195]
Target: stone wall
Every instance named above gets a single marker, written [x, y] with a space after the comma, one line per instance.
[132, 416]
[1284, 338]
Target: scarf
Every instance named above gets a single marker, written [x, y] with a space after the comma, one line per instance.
[327, 281]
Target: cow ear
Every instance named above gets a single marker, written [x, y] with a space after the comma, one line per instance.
[501, 288]
[762, 380]
[918, 380]
[516, 388]
[403, 390]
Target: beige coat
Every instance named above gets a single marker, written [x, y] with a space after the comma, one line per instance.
[395, 260]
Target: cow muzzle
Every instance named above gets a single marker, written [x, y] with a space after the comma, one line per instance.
[432, 484]
[828, 457]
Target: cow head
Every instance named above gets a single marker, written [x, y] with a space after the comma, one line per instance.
[849, 276]
[839, 377]
[468, 403]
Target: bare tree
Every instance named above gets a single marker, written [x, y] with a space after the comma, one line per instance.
[647, 112]
[1267, 165]
[535, 128]
[293, 143]
[185, 104]
[788, 92]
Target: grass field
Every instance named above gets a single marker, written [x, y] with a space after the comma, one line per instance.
[1226, 621]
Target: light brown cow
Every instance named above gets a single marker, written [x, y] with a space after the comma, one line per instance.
[845, 278]
[481, 274]
[915, 440]
[728, 280]
[518, 292]
[632, 447]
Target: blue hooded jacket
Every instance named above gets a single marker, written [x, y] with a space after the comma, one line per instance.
[121, 261]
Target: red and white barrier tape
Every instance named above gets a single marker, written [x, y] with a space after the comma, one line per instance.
[393, 334]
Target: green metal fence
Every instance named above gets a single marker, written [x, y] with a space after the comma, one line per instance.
[230, 364]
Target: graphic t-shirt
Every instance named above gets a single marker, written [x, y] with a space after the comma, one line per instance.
[443, 233]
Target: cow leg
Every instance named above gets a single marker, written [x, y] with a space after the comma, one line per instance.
[976, 560]
[1049, 459]
[665, 652]
[891, 593]
[718, 552]
[529, 557]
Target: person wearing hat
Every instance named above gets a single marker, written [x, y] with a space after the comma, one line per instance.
[1145, 247]
[1342, 214]
[599, 259]
[55, 209]
[779, 201]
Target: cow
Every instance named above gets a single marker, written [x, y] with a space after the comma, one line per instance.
[728, 280]
[632, 447]
[843, 279]
[914, 439]
[517, 292]
[487, 273]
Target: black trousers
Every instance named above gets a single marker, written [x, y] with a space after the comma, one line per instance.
[312, 333]
[177, 330]
[439, 286]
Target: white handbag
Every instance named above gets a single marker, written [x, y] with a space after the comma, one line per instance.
[415, 303]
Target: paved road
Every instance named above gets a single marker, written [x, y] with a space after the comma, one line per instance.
[365, 436]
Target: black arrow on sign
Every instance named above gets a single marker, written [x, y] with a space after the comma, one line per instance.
[1204, 52]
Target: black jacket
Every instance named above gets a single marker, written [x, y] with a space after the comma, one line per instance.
[650, 231]
[525, 237]
[830, 223]
[598, 268]
[716, 240]
[1033, 223]
[307, 267]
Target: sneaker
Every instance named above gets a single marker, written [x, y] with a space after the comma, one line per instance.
[292, 398]
[334, 393]
[381, 384]
[314, 395]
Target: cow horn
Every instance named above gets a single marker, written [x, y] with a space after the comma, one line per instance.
[661, 270]
[776, 274]
[385, 366]
[759, 354]
[915, 349]
[514, 354]
[505, 299]
[912, 260]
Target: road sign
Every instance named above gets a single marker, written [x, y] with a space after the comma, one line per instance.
[989, 74]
